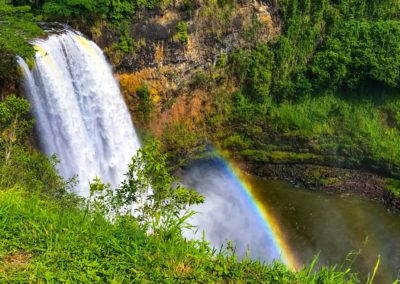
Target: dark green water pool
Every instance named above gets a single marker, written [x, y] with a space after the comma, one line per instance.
[334, 226]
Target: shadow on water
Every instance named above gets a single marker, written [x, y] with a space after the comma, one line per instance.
[311, 222]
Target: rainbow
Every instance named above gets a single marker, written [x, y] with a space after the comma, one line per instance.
[272, 227]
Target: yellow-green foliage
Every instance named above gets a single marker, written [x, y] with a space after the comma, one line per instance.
[180, 140]
[393, 185]
[330, 126]
[182, 32]
[113, 10]
[278, 156]
[17, 26]
[47, 241]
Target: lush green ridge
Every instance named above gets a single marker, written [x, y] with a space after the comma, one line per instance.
[108, 9]
[325, 92]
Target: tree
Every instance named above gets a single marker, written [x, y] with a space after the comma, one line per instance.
[252, 68]
[21, 164]
[13, 123]
[156, 198]
[17, 27]
[12, 127]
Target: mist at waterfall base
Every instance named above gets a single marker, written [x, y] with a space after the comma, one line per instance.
[80, 113]
[228, 213]
[310, 223]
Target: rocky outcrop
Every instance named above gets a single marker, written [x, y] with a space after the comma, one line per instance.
[212, 29]
[173, 69]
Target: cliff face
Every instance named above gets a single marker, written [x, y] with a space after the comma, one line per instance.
[171, 52]
[173, 48]
[212, 28]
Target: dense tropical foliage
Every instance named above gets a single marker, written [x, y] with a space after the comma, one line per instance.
[324, 91]
[330, 82]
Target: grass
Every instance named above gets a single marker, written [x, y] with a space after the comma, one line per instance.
[362, 130]
[277, 156]
[45, 241]
[328, 129]
[393, 185]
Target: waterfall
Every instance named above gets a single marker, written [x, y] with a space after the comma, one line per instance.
[80, 113]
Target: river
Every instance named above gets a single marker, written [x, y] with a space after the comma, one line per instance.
[342, 229]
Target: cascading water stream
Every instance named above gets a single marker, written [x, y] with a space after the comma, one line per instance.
[80, 113]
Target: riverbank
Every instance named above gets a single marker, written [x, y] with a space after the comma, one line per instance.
[329, 179]
[333, 180]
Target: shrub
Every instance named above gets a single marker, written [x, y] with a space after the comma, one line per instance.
[252, 68]
[17, 27]
[199, 80]
[156, 198]
[182, 32]
[146, 105]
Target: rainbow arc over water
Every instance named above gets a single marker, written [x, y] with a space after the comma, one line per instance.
[271, 224]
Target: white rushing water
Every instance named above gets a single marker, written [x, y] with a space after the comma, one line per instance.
[80, 113]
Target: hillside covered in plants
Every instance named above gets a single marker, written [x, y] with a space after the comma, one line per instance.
[49, 234]
[302, 90]
[310, 81]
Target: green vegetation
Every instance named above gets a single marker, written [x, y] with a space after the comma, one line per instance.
[323, 92]
[180, 143]
[252, 68]
[336, 130]
[113, 10]
[47, 241]
[393, 185]
[17, 27]
[146, 105]
[328, 45]
[182, 34]
[357, 52]
[50, 235]
[161, 203]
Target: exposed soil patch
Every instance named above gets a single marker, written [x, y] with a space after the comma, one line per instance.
[15, 262]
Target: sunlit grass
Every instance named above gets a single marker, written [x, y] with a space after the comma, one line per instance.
[44, 241]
